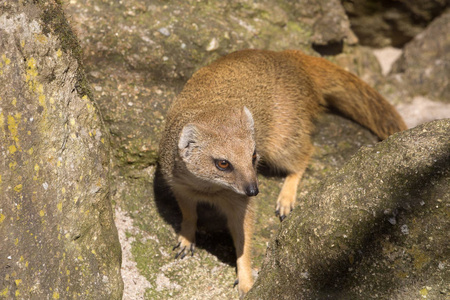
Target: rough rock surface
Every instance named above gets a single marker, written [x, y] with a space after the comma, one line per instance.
[424, 67]
[58, 239]
[391, 22]
[375, 229]
[138, 55]
[210, 273]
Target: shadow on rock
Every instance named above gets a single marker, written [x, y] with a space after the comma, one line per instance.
[375, 229]
[350, 270]
[212, 232]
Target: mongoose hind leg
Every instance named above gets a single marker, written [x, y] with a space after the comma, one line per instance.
[288, 194]
[186, 236]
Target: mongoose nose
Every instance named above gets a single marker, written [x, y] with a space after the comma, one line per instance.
[252, 190]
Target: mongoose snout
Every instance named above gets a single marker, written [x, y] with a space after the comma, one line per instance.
[252, 189]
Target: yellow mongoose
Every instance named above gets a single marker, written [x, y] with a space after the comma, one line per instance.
[248, 106]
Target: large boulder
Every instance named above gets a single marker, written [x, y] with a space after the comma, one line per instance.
[424, 67]
[58, 239]
[375, 229]
[140, 54]
[391, 22]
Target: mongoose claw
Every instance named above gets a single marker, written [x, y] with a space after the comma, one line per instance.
[236, 283]
[176, 246]
[183, 255]
[282, 217]
[183, 250]
[192, 248]
[282, 212]
[180, 253]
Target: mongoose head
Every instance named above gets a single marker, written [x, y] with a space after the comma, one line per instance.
[219, 149]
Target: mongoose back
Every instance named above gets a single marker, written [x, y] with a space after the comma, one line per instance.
[251, 106]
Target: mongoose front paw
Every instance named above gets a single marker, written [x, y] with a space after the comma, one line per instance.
[184, 249]
[243, 288]
[285, 204]
[282, 215]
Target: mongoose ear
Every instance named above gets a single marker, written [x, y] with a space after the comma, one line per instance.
[188, 136]
[249, 117]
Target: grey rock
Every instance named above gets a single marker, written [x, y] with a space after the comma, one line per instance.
[137, 71]
[391, 23]
[343, 244]
[57, 234]
[424, 67]
[145, 52]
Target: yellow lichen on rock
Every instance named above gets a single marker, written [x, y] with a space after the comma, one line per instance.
[2, 121]
[423, 292]
[41, 38]
[12, 149]
[5, 59]
[18, 188]
[31, 74]
[12, 126]
[42, 100]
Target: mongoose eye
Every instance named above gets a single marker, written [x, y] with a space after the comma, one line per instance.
[223, 165]
[254, 157]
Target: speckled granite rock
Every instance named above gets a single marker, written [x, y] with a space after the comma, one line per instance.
[391, 22]
[57, 234]
[375, 229]
[424, 67]
[139, 54]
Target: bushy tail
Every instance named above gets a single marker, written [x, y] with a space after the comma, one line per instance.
[352, 97]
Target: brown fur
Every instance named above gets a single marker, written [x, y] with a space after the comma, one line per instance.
[284, 92]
